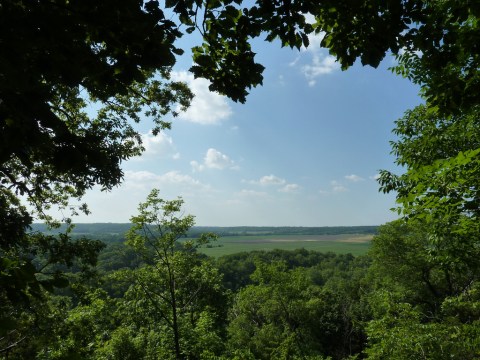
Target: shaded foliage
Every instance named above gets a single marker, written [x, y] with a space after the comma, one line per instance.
[59, 57]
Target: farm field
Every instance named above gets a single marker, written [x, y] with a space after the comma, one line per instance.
[337, 239]
[344, 243]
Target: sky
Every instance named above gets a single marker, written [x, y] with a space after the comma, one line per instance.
[304, 150]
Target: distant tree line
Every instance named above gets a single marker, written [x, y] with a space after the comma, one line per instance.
[113, 229]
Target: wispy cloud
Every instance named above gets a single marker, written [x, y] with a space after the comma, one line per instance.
[290, 188]
[148, 180]
[214, 159]
[319, 61]
[275, 181]
[207, 107]
[268, 180]
[354, 178]
[337, 187]
[320, 65]
[251, 193]
[271, 180]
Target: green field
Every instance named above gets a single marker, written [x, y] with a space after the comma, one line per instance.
[347, 243]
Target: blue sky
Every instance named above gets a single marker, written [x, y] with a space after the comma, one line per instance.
[303, 151]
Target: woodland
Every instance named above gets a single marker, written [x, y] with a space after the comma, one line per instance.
[415, 295]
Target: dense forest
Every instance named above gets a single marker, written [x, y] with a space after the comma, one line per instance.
[75, 79]
[156, 297]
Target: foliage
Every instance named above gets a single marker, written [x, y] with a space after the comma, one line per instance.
[441, 155]
[61, 57]
[124, 343]
[238, 268]
[431, 261]
[85, 324]
[271, 316]
[440, 53]
[316, 296]
[28, 271]
[426, 266]
[425, 296]
[401, 334]
[283, 314]
[424, 271]
[179, 291]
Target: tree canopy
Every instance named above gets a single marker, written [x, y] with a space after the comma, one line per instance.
[75, 76]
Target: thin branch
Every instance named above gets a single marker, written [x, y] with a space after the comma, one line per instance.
[12, 345]
[189, 301]
[154, 303]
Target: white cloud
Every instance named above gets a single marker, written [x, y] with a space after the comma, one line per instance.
[149, 180]
[251, 193]
[160, 145]
[289, 188]
[207, 107]
[320, 62]
[354, 178]
[214, 159]
[272, 180]
[337, 187]
[175, 177]
[268, 180]
[196, 166]
[137, 177]
[374, 177]
[295, 61]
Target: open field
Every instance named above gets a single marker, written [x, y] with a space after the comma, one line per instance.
[337, 239]
[347, 243]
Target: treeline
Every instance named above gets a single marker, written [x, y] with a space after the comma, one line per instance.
[156, 297]
[117, 230]
[283, 230]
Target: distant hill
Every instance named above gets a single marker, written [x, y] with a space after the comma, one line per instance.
[284, 230]
[118, 229]
[89, 228]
